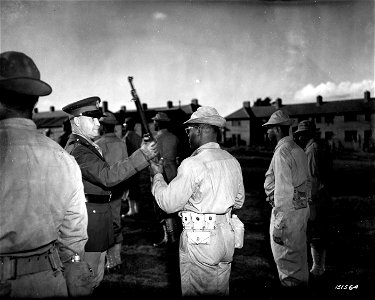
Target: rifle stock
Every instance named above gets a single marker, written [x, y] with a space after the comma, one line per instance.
[138, 104]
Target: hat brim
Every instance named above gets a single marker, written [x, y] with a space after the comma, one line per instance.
[207, 120]
[26, 86]
[160, 120]
[288, 123]
[93, 114]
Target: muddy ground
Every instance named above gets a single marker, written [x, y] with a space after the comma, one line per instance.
[153, 272]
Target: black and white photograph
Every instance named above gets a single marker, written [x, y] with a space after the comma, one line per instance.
[179, 149]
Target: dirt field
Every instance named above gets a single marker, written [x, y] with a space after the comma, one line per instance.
[153, 272]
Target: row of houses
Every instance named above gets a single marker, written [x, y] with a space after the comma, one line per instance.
[344, 124]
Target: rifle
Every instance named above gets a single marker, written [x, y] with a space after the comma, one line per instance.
[138, 104]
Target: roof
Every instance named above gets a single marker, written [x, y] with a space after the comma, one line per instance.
[302, 109]
[49, 119]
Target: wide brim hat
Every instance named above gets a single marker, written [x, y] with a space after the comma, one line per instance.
[306, 126]
[279, 117]
[108, 119]
[18, 73]
[206, 115]
[161, 117]
[88, 107]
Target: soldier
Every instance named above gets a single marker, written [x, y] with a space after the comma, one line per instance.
[43, 217]
[114, 150]
[98, 176]
[319, 167]
[287, 188]
[207, 187]
[168, 144]
[133, 142]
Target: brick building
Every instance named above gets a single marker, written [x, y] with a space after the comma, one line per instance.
[344, 124]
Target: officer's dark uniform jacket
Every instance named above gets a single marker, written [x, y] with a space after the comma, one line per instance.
[97, 177]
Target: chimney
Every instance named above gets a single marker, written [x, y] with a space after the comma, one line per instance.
[105, 106]
[277, 103]
[319, 100]
[194, 101]
[123, 108]
[35, 110]
[367, 96]
[51, 108]
[144, 106]
[246, 104]
[169, 104]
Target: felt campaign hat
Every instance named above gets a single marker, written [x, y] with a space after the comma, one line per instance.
[162, 117]
[18, 73]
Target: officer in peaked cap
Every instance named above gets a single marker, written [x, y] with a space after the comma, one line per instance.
[86, 107]
[99, 177]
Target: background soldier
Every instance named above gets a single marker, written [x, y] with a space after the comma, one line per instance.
[319, 167]
[114, 150]
[287, 188]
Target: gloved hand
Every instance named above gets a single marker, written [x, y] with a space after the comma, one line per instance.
[156, 167]
[277, 236]
[150, 149]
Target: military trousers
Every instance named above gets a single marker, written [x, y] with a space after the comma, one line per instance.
[205, 268]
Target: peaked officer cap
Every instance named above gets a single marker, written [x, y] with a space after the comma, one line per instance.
[162, 117]
[18, 73]
[306, 126]
[109, 119]
[88, 107]
[279, 117]
[206, 115]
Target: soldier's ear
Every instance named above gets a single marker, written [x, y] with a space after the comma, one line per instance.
[76, 121]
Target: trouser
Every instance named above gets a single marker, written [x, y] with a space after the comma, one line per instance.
[96, 260]
[36, 276]
[115, 205]
[291, 257]
[205, 268]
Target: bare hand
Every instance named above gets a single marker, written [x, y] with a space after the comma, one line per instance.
[156, 167]
[150, 149]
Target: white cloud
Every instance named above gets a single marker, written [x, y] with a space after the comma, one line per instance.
[333, 91]
[159, 16]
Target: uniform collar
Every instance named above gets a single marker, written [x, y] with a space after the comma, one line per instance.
[284, 140]
[210, 145]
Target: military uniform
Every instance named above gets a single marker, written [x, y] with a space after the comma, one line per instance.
[97, 177]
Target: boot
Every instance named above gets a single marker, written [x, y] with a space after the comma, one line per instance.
[110, 264]
[164, 241]
[319, 259]
[117, 254]
[133, 208]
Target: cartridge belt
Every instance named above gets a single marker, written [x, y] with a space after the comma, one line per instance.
[90, 198]
[14, 266]
[198, 221]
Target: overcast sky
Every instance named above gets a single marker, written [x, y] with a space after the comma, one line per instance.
[221, 52]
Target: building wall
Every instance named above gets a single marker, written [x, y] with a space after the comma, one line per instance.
[238, 133]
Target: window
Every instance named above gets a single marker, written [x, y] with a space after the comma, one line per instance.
[367, 117]
[329, 119]
[350, 136]
[236, 123]
[350, 117]
[318, 119]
